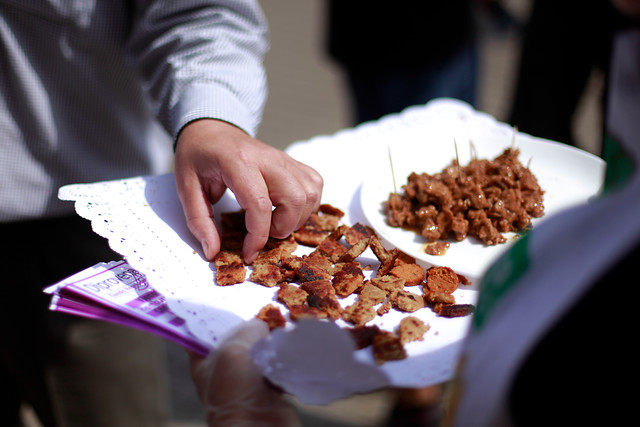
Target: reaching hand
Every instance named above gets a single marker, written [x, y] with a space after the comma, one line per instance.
[232, 389]
[212, 156]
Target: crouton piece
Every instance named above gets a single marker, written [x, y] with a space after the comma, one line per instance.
[359, 313]
[331, 210]
[411, 329]
[388, 283]
[271, 256]
[287, 244]
[327, 303]
[363, 335]
[266, 274]
[304, 311]
[318, 288]
[230, 268]
[227, 257]
[331, 248]
[230, 274]
[348, 279]
[309, 236]
[441, 279]
[431, 297]
[384, 308]
[323, 221]
[406, 301]
[291, 295]
[454, 310]
[386, 347]
[412, 274]
[373, 294]
[272, 316]
[358, 232]
[314, 267]
[354, 251]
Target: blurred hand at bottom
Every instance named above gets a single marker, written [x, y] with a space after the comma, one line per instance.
[233, 390]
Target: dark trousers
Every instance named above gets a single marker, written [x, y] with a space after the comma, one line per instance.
[71, 371]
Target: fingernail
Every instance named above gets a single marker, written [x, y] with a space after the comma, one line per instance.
[205, 248]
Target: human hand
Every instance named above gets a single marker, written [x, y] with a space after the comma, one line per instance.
[233, 390]
[212, 156]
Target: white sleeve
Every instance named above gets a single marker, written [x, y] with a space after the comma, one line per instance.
[201, 59]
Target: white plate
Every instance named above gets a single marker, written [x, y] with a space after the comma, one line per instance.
[568, 176]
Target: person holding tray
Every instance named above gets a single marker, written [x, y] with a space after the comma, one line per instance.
[102, 90]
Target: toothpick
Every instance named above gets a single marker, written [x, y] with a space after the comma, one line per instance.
[393, 174]
[472, 150]
[455, 144]
[513, 136]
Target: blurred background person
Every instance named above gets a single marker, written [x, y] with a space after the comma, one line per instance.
[402, 54]
[563, 44]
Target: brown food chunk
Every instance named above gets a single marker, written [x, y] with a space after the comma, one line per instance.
[230, 274]
[354, 251]
[230, 268]
[348, 279]
[411, 329]
[271, 256]
[388, 283]
[266, 274]
[442, 280]
[412, 274]
[314, 267]
[300, 312]
[309, 236]
[227, 257]
[331, 210]
[358, 232]
[483, 200]
[287, 244]
[331, 248]
[272, 316]
[384, 308]
[291, 295]
[363, 335]
[454, 310]
[359, 313]
[436, 248]
[232, 221]
[386, 257]
[372, 294]
[318, 288]
[406, 301]
[387, 346]
[327, 303]
[438, 297]
[404, 258]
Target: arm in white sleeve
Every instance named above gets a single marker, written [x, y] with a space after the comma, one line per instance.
[201, 59]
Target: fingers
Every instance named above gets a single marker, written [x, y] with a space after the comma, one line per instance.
[198, 212]
[277, 193]
[294, 206]
[252, 194]
[293, 189]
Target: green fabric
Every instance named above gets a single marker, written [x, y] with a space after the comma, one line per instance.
[620, 165]
[500, 277]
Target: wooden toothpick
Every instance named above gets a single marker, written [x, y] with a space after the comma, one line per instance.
[393, 174]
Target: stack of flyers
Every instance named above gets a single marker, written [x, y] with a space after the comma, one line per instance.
[117, 293]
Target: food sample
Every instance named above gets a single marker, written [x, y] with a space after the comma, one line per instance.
[329, 282]
[483, 200]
